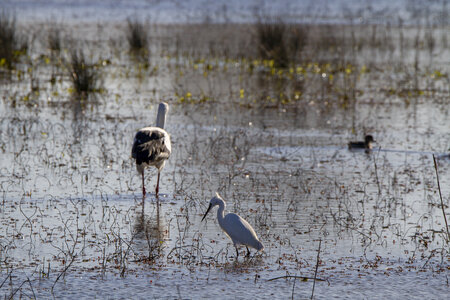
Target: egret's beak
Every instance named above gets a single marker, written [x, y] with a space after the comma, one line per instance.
[207, 211]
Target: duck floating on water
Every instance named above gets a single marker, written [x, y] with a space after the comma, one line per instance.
[367, 144]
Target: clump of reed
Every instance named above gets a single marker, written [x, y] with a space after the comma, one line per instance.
[54, 40]
[84, 75]
[12, 45]
[137, 37]
[280, 42]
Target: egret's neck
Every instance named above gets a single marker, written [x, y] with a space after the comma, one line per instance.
[220, 212]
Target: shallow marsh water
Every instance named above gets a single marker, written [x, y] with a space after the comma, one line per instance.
[71, 210]
[295, 186]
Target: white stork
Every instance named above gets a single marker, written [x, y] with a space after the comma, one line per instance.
[152, 146]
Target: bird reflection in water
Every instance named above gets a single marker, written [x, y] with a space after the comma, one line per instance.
[150, 232]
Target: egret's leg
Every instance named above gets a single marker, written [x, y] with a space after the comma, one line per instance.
[248, 251]
[157, 186]
[237, 252]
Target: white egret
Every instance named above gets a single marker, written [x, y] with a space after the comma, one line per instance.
[152, 146]
[367, 144]
[237, 229]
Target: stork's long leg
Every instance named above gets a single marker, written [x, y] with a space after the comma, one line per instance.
[143, 185]
[157, 186]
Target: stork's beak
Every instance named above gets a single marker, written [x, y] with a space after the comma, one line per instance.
[207, 211]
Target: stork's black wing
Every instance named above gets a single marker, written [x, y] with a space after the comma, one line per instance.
[149, 147]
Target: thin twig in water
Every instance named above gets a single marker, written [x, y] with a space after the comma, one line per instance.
[18, 289]
[64, 271]
[376, 171]
[429, 257]
[440, 196]
[297, 277]
[317, 266]
[293, 288]
[31, 287]
[71, 253]
[1, 285]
